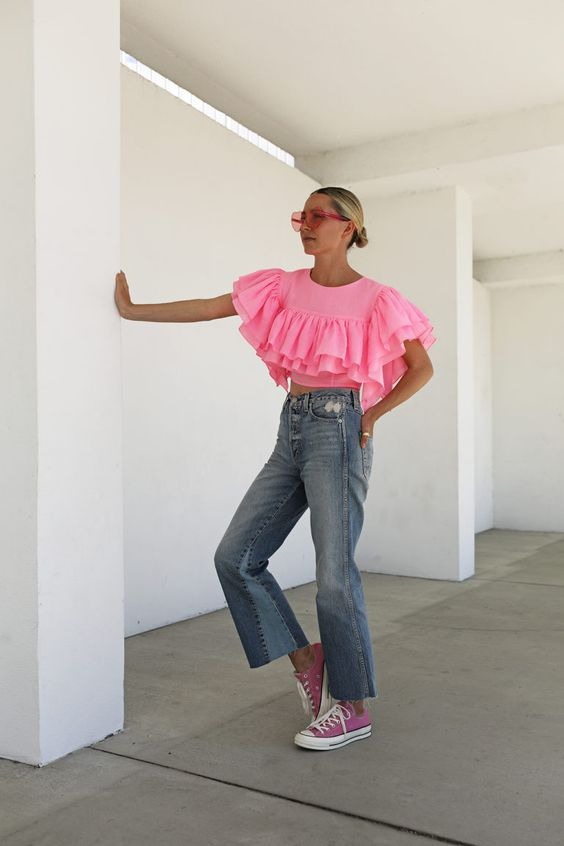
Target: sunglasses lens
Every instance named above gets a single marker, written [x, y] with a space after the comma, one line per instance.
[312, 218]
[296, 221]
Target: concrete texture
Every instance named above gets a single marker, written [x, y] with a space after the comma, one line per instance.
[467, 731]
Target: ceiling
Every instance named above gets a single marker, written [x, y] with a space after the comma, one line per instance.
[388, 97]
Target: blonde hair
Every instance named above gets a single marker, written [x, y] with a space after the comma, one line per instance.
[348, 205]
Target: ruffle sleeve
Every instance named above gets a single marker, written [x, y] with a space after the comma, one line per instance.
[395, 319]
[256, 297]
[368, 350]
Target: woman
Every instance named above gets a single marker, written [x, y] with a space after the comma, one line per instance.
[331, 331]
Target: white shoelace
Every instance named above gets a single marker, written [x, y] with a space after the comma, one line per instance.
[306, 695]
[338, 713]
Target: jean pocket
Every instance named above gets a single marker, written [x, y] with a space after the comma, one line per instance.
[327, 408]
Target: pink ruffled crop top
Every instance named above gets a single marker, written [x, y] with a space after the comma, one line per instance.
[328, 337]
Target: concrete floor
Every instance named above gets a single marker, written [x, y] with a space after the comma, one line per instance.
[467, 744]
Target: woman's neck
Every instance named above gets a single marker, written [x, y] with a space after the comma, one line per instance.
[326, 271]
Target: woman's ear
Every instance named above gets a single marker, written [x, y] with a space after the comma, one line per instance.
[349, 230]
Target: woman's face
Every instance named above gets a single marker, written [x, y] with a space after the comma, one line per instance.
[330, 235]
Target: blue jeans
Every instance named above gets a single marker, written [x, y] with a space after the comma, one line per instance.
[317, 462]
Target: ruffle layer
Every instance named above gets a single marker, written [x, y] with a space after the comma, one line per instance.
[368, 351]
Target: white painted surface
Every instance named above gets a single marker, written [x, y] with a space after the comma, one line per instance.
[528, 408]
[483, 410]
[61, 613]
[420, 509]
[396, 67]
[200, 207]
[19, 683]
[397, 101]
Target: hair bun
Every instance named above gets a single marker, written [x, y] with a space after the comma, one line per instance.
[348, 205]
[361, 238]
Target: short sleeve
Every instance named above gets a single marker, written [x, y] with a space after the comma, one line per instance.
[256, 298]
[395, 319]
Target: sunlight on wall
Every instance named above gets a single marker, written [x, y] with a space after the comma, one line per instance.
[220, 117]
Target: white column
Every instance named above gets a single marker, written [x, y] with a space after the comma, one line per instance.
[61, 533]
[420, 508]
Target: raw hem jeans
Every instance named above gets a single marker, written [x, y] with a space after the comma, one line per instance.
[317, 462]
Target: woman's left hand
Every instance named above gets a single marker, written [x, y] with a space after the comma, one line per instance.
[366, 425]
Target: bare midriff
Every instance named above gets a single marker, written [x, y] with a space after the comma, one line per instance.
[296, 389]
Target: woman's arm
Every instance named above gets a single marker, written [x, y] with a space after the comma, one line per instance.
[412, 381]
[419, 371]
[180, 311]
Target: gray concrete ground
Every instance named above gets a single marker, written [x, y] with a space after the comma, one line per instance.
[467, 744]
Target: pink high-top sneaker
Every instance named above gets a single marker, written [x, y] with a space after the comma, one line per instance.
[339, 726]
[313, 685]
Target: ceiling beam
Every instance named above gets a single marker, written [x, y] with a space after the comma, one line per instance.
[527, 269]
[515, 132]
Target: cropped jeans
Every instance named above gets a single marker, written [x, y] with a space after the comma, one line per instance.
[317, 462]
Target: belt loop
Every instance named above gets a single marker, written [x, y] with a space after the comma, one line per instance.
[356, 401]
[307, 400]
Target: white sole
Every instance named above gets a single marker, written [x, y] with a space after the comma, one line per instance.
[325, 743]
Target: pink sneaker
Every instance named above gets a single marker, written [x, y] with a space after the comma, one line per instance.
[313, 685]
[339, 726]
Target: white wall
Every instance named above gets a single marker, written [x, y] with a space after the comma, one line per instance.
[528, 404]
[420, 508]
[61, 541]
[483, 422]
[19, 675]
[200, 206]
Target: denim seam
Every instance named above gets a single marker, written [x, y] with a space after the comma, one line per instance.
[365, 464]
[256, 578]
[257, 618]
[250, 550]
[346, 556]
[337, 418]
[295, 456]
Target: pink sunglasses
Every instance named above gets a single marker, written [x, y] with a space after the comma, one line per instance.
[312, 218]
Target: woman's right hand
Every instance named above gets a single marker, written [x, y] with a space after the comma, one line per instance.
[121, 295]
